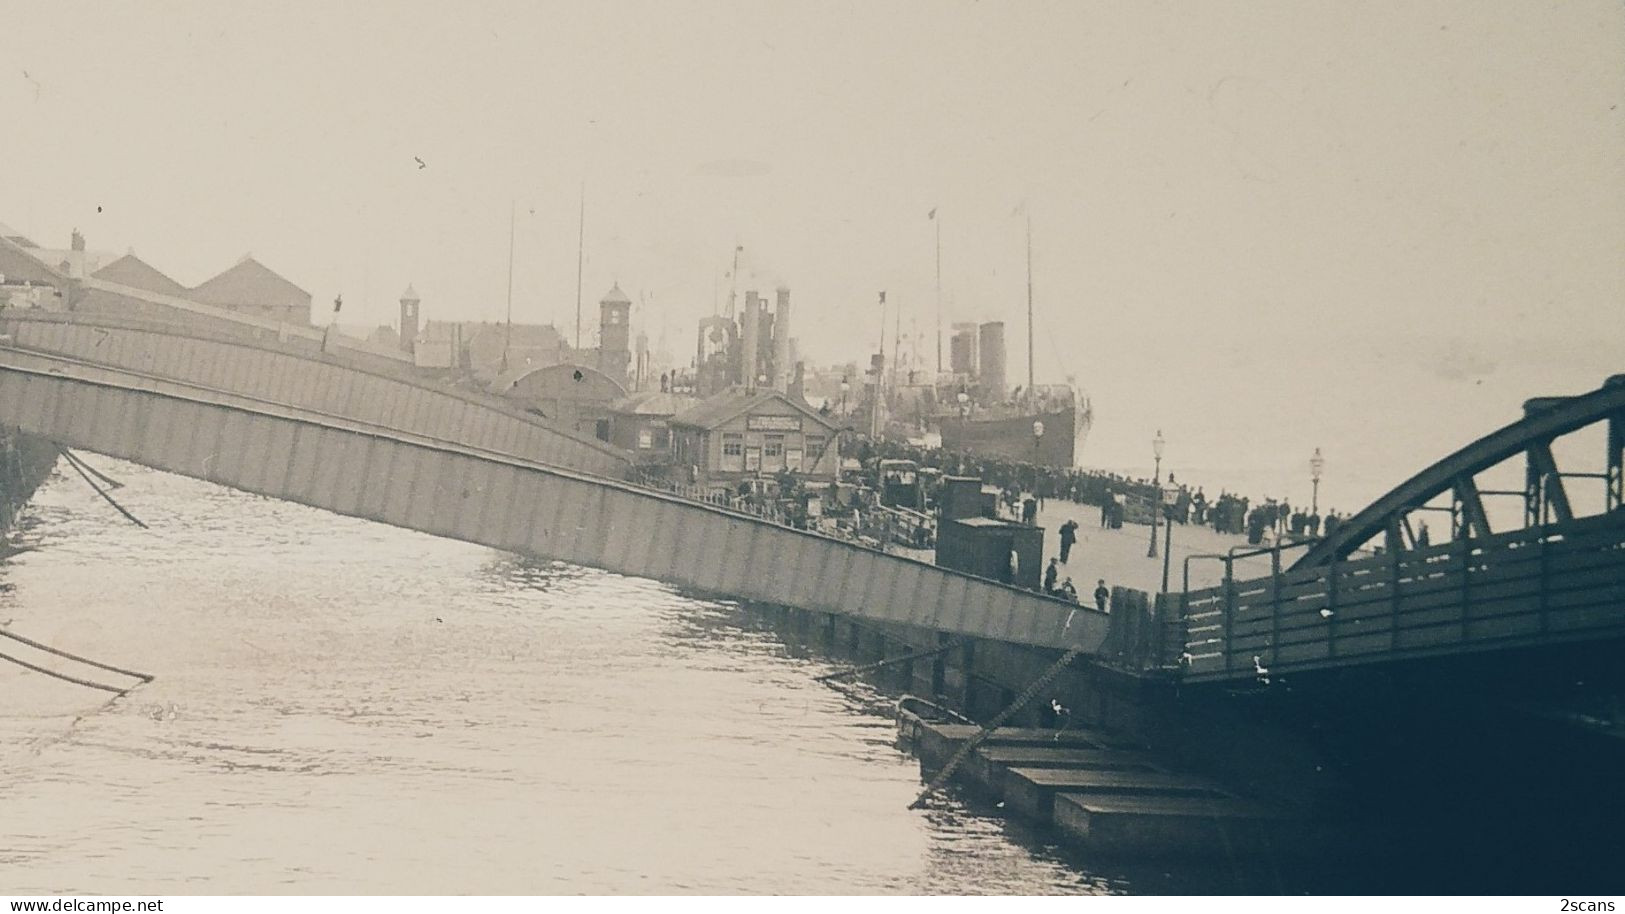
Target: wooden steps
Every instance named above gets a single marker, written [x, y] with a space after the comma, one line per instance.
[936, 743]
[988, 764]
[1110, 795]
[1031, 791]
[1142, 826]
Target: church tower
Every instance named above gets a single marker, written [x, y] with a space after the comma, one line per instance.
[615, 334]
[409, 319]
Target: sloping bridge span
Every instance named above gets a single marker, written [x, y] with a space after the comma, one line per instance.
[1544, 420]
[333, 386]
[503, 502]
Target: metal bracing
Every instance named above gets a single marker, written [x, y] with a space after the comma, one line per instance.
[1547, 487]
[1473, 520]
[1545, 420]
[1616, 461]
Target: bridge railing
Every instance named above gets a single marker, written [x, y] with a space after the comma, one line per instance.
[744, 505]
[1553, 583]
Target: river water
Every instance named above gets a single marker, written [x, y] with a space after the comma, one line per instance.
[344, 707]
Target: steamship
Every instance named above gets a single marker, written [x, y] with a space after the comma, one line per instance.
[1047, 427]
[1043, 424]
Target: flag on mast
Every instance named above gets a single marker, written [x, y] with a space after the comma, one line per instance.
[932, 214]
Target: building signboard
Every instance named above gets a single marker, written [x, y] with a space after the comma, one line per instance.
[773, 423]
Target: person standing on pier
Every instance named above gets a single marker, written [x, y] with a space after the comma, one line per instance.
[1050, 574]
[1029, 511]
[1068, 591]
[1101, 595]
[1069, 536]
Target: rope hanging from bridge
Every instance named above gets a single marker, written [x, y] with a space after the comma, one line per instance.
[890, 661]
[80, 462]
[987, 729]
[144, 677]
[65, 677]
[85, 472]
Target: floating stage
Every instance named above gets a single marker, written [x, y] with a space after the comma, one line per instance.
[1107, 793]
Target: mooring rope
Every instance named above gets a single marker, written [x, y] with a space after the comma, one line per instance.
[92, 483]
[144, 677]
[85, 465]
[65, 677]
[987, 729]
[867, 667]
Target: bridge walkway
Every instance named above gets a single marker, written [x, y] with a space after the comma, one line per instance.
[505, 502]
[1533, 587]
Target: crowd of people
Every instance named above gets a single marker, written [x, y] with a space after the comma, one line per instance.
[1228, 513]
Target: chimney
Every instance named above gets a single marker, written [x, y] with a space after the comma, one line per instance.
[76, 256]
[409, 320]
[781, 340]
[797, 389]
[748, 363]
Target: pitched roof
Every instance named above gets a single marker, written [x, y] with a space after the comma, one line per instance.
[615, 297]
[131, 270]
[250, 283]
[653, 403]
[719, 408]
[19, 265]
[517, 336]
[16, 237]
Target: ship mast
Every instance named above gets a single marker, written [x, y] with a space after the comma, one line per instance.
[939, 295]
[581, 248]
[1029, 306]
[507, 331]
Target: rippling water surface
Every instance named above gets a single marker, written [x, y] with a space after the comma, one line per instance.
[347, 707]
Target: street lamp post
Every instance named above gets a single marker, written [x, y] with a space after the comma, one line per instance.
[1156, 480]
[1170, 496]
[1317, 463]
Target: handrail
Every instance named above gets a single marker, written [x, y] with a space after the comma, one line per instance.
[1315, 607]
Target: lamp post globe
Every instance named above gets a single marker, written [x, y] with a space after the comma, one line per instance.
[1317, 464]
[1170, 498]
[1157, 444]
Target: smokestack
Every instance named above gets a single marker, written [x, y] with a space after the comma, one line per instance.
[992, 356]
[797, 388]
[748, 361]
[781, 340]
[641, 373]
[963, 350]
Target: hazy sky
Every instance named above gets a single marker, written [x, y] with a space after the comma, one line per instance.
[1372, 227]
